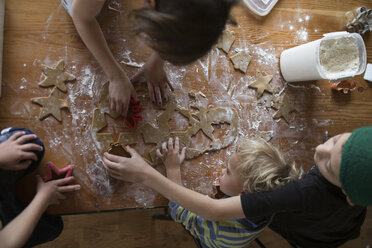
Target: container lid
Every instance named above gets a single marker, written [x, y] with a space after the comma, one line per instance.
[260, 7]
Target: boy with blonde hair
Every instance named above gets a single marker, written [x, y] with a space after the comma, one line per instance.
[324, 208]
[256, 166]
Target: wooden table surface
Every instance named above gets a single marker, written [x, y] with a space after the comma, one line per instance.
[43, 33]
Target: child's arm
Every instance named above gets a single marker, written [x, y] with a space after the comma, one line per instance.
[135, 169]
[172, 159]
[84, 14]
[16, 233]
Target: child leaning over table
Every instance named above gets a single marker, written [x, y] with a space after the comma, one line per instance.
[256, 166]
[21, 151]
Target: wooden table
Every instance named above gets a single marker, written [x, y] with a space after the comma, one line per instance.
[43, 33]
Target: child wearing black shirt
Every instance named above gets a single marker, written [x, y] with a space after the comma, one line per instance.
[325, 208]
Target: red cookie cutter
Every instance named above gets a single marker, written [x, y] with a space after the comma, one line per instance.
[133, 113]
[52, 169]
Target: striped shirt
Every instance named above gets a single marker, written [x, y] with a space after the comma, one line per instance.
[218, 234]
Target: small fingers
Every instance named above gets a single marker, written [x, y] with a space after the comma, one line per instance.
[31, 147]
[177, 144]
[150, 88]
[164, 92]
[28, 155]
[16, 135]
[69, 188]
[164, 147]
[113, 158]
[170, 144]
[110, 165]
[114, 174]
[25, 138]
[158, 95]
[183, 153]
[169, 84]
[158, 153]
[64, 181]
[117, 177]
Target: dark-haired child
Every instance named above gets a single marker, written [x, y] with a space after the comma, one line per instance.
[178, 31]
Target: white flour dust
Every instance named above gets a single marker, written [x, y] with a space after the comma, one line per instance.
[339, 57]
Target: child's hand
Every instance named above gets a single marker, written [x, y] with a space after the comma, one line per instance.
[15, 155]
[120, 90]
[132, 169]
[171, 156]
[52, 191]
[156, 78]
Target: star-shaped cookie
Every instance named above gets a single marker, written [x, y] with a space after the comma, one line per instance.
[261, 84]
[56, 76]
[51, 105]
[283, 109]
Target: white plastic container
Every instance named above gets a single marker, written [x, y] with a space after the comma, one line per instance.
[302, 63]
[260, 7]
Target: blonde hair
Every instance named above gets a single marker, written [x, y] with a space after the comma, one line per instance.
[262, 167]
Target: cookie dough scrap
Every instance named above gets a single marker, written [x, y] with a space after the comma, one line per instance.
[51, 105]
[265, 100]
[55, 76]
[241, 61]
[266, 135]
[226, 40]
[261, 84]
[284, 108]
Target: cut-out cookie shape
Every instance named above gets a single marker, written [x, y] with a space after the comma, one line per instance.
[241, 61]
[56, 76]
[118, 150]
[265, 100]
[51, 105]
[226, 40]
[52, 172]
[261, 84]
[283, 109]
[202, 119]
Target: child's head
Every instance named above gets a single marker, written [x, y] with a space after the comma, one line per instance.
[256, 166]
[182, 31]
[346, 161]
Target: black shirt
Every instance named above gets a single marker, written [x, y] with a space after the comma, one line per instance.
[310, 212]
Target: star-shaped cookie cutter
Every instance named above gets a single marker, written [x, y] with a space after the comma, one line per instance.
[133, 113]
[51, 168]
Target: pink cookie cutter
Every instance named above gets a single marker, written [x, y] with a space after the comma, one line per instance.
[51, 168]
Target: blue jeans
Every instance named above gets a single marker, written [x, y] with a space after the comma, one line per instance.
[49, 227]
